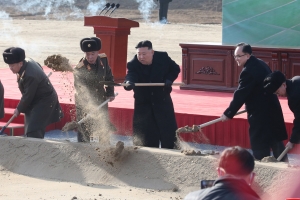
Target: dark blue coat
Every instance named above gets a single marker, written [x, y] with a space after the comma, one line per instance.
[265, 116]
[154, 117]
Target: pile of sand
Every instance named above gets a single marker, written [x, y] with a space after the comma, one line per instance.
[159, 170]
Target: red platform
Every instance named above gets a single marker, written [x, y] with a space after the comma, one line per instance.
[191, 107]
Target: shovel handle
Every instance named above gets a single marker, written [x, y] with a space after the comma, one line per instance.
[9, 121]
[100, 106]
[283, 153]
[217, 120]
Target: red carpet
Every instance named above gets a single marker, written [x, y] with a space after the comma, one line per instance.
[191, 107]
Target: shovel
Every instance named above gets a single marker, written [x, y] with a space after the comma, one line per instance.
[73, 125]
[283, 153]
[110, 83]
[4, 127]
[197, 128]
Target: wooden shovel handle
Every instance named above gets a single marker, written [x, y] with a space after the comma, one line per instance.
[283, 153]
[217, 120]
[100, 106]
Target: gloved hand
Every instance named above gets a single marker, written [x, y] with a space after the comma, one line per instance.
[168, 83]
[130, 86]
[224, 118]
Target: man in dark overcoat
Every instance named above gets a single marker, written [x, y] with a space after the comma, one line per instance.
[1, 100]
[154, 118]
[163, 11]
[90, 92]
[39, 99]
[277, 83]
[267, 128]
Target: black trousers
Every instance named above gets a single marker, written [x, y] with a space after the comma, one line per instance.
[163, 9]
[36, 134]
[264, 151]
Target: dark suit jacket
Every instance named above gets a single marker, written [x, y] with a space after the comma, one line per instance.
[293, 95]
[264, 111]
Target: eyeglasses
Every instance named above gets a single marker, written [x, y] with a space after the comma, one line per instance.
[238, 56]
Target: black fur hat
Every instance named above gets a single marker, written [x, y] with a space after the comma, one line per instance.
[13, 55]
[273, 81]
[90, 44]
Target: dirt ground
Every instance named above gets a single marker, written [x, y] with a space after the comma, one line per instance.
[40, 169]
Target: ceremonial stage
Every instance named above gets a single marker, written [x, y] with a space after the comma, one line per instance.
[191, 107]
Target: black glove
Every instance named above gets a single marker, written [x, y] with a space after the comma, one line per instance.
[130, 86]
[168, 83]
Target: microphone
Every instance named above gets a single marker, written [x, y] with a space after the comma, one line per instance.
[106, 6]
[117, 6]
[111, 6]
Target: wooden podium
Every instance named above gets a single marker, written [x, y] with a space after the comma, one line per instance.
[113, 33]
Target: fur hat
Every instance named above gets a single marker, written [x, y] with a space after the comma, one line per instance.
[13, 55]
[273, 81]
[90, 44]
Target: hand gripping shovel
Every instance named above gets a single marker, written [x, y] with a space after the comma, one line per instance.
[196, 128]
[110, 83]
[73, 125]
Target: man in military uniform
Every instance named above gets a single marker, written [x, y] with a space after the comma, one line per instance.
[267, 128]
[154, 118]
[39, 99]
[163, 11]
[277, 83]
[1, 101]
[90, 92]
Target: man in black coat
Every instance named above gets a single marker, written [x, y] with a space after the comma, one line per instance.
[163, 11]
[39, 100]
[1, 100]
[236, 175]
[267, 128]
[277, 83]
[154, 118]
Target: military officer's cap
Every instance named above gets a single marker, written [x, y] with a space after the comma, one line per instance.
[273, 81]
[90, 44]
[13, 55]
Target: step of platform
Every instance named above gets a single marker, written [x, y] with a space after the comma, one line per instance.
[9, 112]
[13, 129]
[16, 127]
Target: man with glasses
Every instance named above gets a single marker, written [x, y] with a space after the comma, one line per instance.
[267, 129]
[277, 83]
[235, 176]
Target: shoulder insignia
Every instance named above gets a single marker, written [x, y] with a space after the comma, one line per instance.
[80, 64]
[102, 55]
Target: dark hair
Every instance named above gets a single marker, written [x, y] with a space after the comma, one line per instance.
[246, 47]
[237, 161]
[145, 43]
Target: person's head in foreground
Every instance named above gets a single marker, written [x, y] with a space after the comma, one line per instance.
[144, 52]
[237, 161]
[275, 83]
[91, 47]
[14, 57]
[235, 176]
[242, 53]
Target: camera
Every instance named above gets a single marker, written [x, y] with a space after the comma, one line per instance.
[206, 183]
